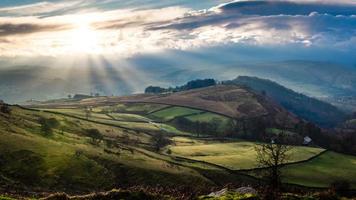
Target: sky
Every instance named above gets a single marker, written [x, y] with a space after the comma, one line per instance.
[120, 47]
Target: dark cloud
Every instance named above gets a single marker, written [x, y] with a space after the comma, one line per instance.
[242, 12]
[8, 29]
[287, 8]
[295, 22]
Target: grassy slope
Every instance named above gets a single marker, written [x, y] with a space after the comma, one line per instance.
[232, 154]
[62, 166]
[55, 162]
[130, 121]
[323, 170]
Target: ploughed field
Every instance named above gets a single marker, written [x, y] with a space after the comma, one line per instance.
[126, 154]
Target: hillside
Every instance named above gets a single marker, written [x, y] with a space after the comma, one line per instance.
[68, 158]
[311, 109]
[232, 101]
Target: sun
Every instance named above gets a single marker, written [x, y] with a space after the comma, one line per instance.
[84, 39]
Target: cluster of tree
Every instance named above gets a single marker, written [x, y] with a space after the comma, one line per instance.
[194, 84]
[95, 136]
[47, 125]
[83, 96]
[336, 140]
[200, 128]
[155, 90]
[159, 141]
[5, 108]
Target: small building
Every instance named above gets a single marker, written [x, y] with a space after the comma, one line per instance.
[1, 102]
[307, 140]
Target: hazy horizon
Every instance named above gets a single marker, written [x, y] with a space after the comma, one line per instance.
[53, 48]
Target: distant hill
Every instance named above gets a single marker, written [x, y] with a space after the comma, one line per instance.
[238, 102]
[311, 109]
[233, 101]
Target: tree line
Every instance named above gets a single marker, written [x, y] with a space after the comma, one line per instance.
[194, 84]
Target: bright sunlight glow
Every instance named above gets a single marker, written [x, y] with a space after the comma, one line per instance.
[83, 39]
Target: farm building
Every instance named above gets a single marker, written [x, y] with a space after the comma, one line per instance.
[307, 140]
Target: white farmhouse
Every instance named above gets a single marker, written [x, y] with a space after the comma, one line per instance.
[307, 140]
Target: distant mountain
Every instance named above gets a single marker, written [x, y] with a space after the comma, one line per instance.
[311, 109]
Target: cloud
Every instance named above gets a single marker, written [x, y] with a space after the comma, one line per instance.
[40, 8]
[269, 22]
[258, 7]
[9, 29]
[126, 32]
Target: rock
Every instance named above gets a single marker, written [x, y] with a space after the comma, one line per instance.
[246, 190]
[218, 193]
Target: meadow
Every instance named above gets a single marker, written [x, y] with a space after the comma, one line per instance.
[323, 170]
[232, 154]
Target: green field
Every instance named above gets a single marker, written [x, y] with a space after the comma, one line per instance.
[231, 154]
[128, 117]
[207, 117]
[323, 170]
[173, 112]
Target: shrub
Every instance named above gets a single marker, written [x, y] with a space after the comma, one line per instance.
[341, 187]
[95, 136]
[327, 195]
[47, 125]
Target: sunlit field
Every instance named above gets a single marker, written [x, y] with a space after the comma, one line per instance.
[231, 154]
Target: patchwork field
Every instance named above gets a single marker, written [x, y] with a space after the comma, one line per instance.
[68, 157]
[124, 120]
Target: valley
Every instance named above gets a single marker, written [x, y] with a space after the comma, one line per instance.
[144, 141]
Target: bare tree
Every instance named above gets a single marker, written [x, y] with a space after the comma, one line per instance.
[272, 156]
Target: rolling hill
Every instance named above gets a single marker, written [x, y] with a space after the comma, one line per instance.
[237, 102]
[68, 159]
[308, 108]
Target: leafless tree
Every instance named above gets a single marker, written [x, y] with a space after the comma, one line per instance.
[272, 156]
